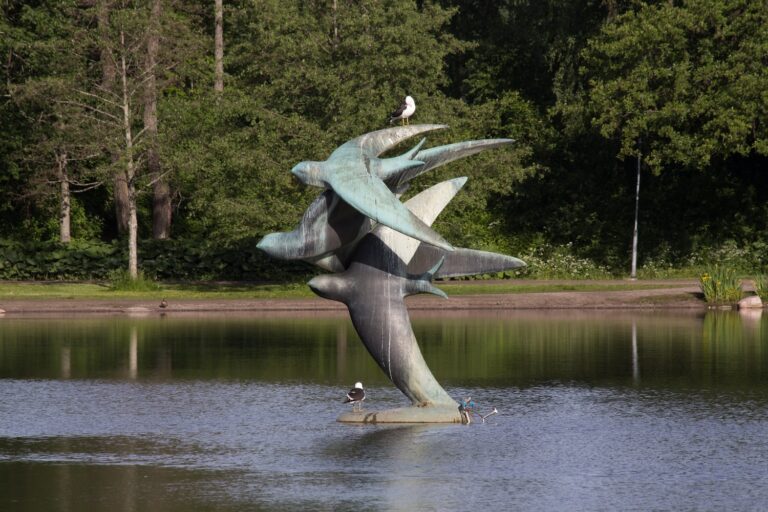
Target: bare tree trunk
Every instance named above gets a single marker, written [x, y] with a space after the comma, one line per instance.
[130, 169]
[334, 9]
[218, 85]
[108, 74]
[108, 71]
[65, 215]
[121, 202]
[161, 202]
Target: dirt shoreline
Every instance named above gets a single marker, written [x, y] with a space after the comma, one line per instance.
[670, 295]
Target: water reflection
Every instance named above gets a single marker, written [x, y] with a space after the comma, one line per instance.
[604, 410]
[719, 348]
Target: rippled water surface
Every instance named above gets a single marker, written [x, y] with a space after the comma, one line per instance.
[597, 411]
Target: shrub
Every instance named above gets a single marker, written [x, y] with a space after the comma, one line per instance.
[163, 259]
[761, 286]
[120, 280]
[720, 286]
[559, 262]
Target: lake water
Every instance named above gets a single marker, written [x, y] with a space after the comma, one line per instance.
[601, 410]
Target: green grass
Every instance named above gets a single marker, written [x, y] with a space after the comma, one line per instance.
[475, 288]
[218, 291]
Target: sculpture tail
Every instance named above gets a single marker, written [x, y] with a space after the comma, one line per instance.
[423, 283]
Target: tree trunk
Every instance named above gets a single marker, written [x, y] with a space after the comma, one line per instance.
[218, 85]
[121, 202]
[133, 230]
[161, 203]
[108, 74]
[64, 202]
[130, 169]
[334, 10]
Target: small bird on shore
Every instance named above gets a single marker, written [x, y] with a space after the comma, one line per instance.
[404, 111]
[163, 304]
[355, 396]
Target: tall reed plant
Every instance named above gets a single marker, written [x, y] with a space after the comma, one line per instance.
[720, 286]
[761, 286]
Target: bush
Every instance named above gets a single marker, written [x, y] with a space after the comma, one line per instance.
[163, 259]
[761, 286]
[720, 286]
[559, 262]
[120, 280]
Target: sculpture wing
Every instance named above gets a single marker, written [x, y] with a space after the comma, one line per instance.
[461, 262]
[327, 224]
[371, 197]
[393, 172]
[426, 205]
[375, 143]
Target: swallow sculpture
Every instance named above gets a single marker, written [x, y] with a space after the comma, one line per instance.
[330, 223]
[350, 173]
[382, 251]
[374, 287]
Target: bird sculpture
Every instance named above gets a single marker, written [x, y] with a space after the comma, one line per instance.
[374, 287]
[331, 227]
[382, 250]
[404, 111]
[351, 173]
[355, 396]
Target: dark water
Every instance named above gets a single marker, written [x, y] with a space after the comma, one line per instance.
[597, 411]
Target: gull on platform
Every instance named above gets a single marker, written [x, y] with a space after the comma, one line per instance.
[404, 111]
[355, 396]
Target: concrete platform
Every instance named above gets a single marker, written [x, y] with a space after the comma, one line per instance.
[429, 414]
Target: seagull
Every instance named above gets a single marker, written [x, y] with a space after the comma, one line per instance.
[163, 304]
[356, 396]
[404, 111]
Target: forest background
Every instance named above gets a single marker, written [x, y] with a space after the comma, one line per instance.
[156, 125]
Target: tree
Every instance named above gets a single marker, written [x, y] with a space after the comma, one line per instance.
[161, 203]
[219, 46]
[59, 142]
[688, 78]
[527, 46]
[345, 64]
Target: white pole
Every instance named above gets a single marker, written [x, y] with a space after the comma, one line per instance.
[635, 362]
[633, 273]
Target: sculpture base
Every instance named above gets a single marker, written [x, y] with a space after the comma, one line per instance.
[429, 414]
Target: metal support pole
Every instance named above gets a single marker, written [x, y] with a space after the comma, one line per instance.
[633, 273]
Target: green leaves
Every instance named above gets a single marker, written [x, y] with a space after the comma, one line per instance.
[687, 80]
[161, 259]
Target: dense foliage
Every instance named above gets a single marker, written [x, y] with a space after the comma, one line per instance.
[585, 88]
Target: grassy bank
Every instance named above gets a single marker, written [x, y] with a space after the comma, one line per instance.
[218, 290]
